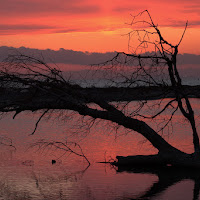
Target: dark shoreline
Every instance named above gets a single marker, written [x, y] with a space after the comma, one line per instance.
[140, 93]
[107, 94]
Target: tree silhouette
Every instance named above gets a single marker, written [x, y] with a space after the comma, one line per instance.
[29, 84]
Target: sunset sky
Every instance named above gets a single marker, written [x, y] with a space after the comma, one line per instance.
[93, 25]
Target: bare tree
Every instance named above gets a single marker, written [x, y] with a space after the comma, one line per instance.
[29, 84]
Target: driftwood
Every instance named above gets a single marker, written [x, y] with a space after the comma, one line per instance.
[178, 160]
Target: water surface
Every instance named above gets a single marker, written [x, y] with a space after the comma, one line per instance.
[26, 173]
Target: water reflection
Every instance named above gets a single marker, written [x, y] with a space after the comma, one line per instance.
[23, 182]
[64, 181]
[28, 175]
[63, 186]
[167, 177]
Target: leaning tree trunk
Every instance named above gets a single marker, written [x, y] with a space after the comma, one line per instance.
[47, 89]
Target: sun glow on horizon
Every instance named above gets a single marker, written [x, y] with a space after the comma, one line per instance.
[93, 26]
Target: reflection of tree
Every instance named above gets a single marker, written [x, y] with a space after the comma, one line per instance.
[51, 185]
[167, 176]
[9, 191]
[6, 141]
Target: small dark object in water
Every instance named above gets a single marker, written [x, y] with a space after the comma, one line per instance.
[53, 162]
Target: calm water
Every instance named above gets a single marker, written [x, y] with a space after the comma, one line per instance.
[26, 173]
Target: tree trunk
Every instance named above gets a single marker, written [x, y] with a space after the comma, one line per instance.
[163, 159]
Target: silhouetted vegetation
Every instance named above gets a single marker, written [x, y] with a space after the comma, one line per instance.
[33, 85]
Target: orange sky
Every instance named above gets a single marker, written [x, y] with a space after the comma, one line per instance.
[93, 25]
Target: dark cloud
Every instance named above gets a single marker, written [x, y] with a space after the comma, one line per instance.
[66, 30]
[24, 27]
[193, 23]
[79, 57]
[192, 10]
[194, 7]
[180, 23]
[34, 7]
[12, 29]
[60, 56]
[84, 29]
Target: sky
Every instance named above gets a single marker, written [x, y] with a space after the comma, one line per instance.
[93, 25]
